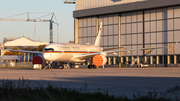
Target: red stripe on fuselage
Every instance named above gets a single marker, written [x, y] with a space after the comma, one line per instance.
[67, 52]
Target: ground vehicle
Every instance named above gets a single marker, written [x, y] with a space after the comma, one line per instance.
[142, 65]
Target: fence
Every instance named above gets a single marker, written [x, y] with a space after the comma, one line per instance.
[16, 64]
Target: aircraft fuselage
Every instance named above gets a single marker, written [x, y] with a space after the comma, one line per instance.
[66, 52]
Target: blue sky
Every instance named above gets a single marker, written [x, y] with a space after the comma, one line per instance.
[63, 13]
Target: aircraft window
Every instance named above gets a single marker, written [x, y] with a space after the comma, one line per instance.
[48, 49]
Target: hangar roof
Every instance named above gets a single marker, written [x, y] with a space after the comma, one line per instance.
[7, 39]
[22, 41]
[120, 8]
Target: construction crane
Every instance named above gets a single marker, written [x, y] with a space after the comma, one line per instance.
[69, 2]
[36, 20]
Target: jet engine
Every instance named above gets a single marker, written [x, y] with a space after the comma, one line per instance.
[38, 60]
[99, 60]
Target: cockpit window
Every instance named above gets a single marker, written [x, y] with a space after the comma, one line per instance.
[49, 49]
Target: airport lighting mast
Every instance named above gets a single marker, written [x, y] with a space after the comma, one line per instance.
[36, 20]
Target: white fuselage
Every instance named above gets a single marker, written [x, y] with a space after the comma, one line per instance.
[66, 52]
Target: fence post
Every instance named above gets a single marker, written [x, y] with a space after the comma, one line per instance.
[28, 57]
[24, 59]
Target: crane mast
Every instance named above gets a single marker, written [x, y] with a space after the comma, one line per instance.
[37, 20]
[69, 2]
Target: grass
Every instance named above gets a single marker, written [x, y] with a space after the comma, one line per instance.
[22, 90]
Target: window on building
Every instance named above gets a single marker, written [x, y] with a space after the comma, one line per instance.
[165, 59]
[172, 59]
[160, 60]
[148, 60]
[124, 60]
[129, 60]
[141, 59]
[112, 62]
[117, 60]
[178, 59]
[154, 60]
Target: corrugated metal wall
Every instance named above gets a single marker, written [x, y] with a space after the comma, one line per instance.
[87, 30]
[109, 37]
[132, 32]
[87, 4]
[160, 27]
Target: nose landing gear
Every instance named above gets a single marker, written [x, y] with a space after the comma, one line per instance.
[48, 65]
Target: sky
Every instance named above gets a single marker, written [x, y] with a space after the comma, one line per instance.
[63, 13]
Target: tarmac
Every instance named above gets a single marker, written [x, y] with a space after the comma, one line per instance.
[114, 81]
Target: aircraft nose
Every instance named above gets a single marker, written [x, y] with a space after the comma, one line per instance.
[45, 56]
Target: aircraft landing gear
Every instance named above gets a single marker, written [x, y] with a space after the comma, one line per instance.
[48, 65]
[64, 66]
[61, 65]
[91, 66]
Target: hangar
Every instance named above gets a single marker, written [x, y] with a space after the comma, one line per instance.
[21, 43]
[132, 24]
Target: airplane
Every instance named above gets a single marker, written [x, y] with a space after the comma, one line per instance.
[79, 53]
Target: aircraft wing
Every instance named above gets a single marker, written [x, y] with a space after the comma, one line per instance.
[81, 56]
[129, 50]
[108, 49]
[35, 52]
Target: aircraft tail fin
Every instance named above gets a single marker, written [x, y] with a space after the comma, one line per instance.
[97, 42]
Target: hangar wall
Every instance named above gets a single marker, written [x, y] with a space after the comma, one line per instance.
[155, 27]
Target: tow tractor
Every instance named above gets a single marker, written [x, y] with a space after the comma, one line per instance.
[142, 65]
[145, 64]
